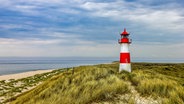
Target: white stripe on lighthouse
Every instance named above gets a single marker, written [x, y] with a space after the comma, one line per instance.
[124, 48]
[125, 66]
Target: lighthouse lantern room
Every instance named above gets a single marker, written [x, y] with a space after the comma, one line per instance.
[124, 52]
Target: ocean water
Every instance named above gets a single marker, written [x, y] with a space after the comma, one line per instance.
[10, 65]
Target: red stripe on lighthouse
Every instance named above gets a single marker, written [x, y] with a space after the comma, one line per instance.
[124, 57]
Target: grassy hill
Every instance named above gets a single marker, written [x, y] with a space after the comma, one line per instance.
[148, 83]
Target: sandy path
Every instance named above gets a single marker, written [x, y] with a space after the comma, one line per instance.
[23, 75]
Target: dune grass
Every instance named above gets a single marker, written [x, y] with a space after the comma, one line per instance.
[10, 88]
[87, 84]
[159, 82]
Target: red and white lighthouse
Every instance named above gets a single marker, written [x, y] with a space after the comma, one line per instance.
[124, 52]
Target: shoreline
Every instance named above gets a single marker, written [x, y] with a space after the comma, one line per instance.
[23, 74]
[34, 72]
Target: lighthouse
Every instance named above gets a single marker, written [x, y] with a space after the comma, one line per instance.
[124, 52]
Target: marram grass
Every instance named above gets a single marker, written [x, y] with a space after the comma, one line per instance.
[87, 84]
[158, 83]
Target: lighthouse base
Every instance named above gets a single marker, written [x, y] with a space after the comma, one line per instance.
[125, 67]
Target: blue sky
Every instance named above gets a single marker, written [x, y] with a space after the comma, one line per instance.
[90, 28]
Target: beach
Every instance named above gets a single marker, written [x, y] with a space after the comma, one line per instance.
[22, 82]
[23, 74]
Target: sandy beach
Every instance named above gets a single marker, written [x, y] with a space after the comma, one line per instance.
[23, 75]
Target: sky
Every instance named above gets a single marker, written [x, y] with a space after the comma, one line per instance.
[90, 28]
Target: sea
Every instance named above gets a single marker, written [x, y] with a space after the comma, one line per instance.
[11, 65]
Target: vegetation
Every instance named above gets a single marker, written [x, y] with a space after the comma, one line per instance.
[86, 84]
[164, 83]
[160, 80]
[13, 87]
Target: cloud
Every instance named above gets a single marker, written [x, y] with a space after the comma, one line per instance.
[40, 7]
[90, 27]
[161, 19]
[157, 51]
[14, 42]
[148, 21]
[36, 47]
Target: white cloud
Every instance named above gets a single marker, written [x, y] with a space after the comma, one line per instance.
[162, 19]
[13, 47]
[14, 42]
[168, 18]
[36, 7]
[157, 50]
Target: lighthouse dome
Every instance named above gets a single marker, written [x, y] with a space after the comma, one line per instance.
[124, 33]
